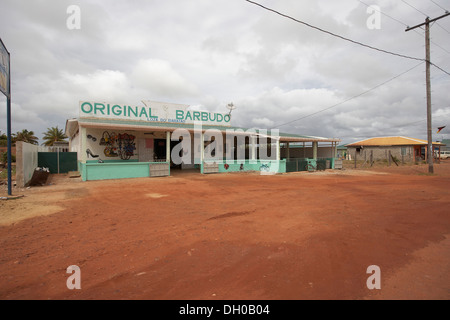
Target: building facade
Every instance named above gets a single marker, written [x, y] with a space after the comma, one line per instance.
[122, 141]
[404, 149]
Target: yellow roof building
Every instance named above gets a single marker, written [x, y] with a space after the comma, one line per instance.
[391, 141]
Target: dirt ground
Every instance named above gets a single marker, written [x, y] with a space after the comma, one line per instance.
[238, 236]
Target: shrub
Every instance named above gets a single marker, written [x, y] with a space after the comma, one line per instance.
[4, 157]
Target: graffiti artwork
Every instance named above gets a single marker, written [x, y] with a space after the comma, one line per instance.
[118, 145]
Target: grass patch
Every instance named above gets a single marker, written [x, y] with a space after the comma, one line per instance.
[4, 172]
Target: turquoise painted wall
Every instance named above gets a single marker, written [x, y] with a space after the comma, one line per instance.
[114, 169]
[270, 166]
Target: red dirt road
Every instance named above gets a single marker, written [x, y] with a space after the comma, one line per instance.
[231, 236]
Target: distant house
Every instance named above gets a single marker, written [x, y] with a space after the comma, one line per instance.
[342, 151]
[402, 148]
[446, 142]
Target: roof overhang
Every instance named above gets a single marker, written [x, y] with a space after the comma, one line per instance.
[156, 126]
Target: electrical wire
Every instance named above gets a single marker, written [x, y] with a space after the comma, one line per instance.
[354, 97]
[385, 14]
[334, 34]
[405, 25]
[397, 126]
[439, 6]
[341, 37]
[425, 15]
[439, 68]
[415, 8]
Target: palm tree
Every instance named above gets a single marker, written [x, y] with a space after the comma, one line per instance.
[53, 135]
[25, 136]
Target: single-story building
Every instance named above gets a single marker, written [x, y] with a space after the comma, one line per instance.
[446, 143]
[122, 141]
[402, 148]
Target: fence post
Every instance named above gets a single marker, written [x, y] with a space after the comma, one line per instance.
[371, 158]
[356, 152]
[389, 158]
[57, 157]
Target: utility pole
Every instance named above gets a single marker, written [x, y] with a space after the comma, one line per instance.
[428, 80]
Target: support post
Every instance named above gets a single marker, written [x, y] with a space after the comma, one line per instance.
[9, 142]
[168, 147]
[315, 143]
[278, 149]
[83, 138]
[253, 147]
[288, 156]
[428, 85]
[428, 77]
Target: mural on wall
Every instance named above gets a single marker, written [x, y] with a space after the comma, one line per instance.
[118, 145]
[89, 153]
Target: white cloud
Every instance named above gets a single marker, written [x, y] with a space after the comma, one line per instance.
[209, 53]
[159, 78]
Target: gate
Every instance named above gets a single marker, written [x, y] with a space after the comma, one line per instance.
[58, 162]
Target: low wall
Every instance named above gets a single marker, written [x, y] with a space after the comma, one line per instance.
[114, 169]
[26, 161]
[264, 166]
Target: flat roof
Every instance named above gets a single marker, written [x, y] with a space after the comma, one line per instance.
[72, 124]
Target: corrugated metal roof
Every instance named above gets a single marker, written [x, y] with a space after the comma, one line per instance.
[390, 141]
[144, 126]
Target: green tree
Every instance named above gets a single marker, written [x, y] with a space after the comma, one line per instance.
[3, 139]
[25, 136]
[52, 135]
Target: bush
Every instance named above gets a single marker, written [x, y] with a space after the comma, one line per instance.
[4, 157]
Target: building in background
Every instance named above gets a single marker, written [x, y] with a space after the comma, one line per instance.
[401, 148]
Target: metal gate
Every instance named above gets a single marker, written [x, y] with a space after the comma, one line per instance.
[58, 162]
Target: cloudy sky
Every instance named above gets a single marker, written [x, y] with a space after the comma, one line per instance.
[208, 53]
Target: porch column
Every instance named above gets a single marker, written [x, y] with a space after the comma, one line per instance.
[168, 147]
[315, 143]
[83, 147]
[287, 151]
[278, 149]
[202, 147]
[253, 147]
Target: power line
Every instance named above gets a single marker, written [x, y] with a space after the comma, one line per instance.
[339, 36]
[425, 15]
[439, 6]
[439, 68]
[383, 13]
[442, 28]
[405, 25]
[333, 34]
[396, 126]
[415, 8]
[354, 97]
